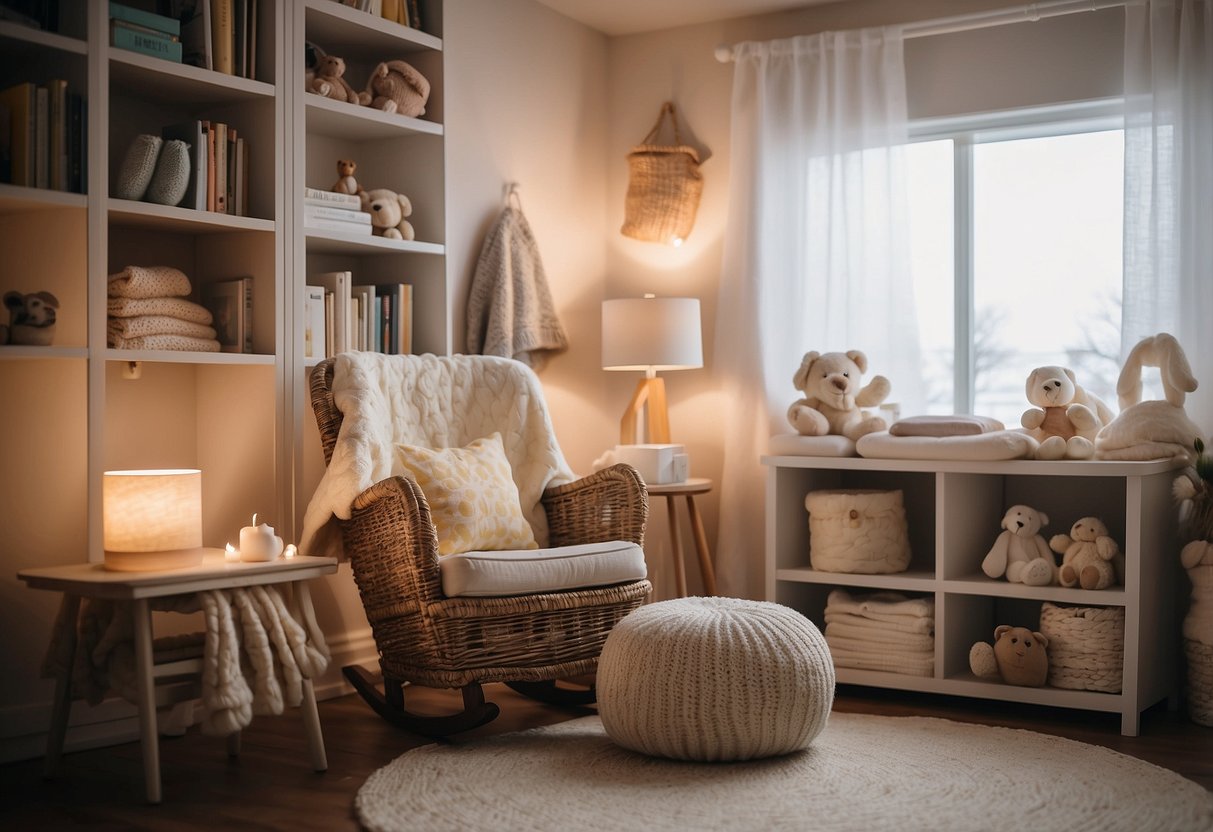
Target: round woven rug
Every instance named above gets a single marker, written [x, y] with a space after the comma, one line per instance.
[862, 772]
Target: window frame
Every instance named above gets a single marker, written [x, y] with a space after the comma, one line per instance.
[967, 131]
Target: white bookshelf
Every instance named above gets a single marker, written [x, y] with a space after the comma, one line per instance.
[953, 513]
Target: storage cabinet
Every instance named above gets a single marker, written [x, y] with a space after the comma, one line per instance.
[954, 511]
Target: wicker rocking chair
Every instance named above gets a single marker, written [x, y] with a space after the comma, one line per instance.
[426, 638]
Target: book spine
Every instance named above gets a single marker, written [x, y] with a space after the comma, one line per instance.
[220, 168]
[232, 140]
[331, 197]
[41, 139]
[385, 326]
[158, 22]
[334, 213]
[338, 225]
[158, 47]
[196, 36]
[210, 165]
[58, 130]
[248, 314]
[222, 32]
[75, 182]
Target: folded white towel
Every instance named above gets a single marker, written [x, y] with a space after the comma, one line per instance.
[880, 605]
[169, 307]
[164, 342]
[157, 325]
[881, 639]
[912, 665]
[895, 624]
[149, 282]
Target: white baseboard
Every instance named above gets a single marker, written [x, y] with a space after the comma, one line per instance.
[23, 728]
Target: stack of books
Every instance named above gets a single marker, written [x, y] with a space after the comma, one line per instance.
[332, 211]
[342, 316]
[219, 169]
[405, 12]
[220, 34]
[146, 32]
[43, 137]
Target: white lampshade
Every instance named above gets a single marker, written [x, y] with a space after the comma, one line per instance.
[152, 519]
[651, 333]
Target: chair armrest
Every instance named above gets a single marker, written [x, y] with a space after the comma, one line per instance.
[612, 504]
[393, 549]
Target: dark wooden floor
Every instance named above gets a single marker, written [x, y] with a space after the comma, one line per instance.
[270, 786]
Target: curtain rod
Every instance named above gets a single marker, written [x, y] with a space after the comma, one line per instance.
[1029, 13]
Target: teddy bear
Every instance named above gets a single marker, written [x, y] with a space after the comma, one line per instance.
[833, 397]
[1020, 552]
[1066, 418]
[396, 87]
[346, 183]
[329, 81]
[1090, 558]
[388, 210]
[31, 319]
[1019, 657]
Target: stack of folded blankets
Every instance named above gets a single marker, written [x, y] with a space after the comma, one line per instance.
[148, 311]
[881, 631]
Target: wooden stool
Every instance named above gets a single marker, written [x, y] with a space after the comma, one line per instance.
[688, 489]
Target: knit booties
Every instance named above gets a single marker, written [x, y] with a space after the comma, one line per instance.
[172, 177]
[138, 167]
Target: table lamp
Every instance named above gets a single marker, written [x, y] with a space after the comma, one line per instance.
[152, 519]
[650, 334]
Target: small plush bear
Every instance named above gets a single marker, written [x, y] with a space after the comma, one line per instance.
[1020, 552]
[397, 87]
[1090, 558]
[833, 397]
[1066, 417]
[388, 210]
[31, 319]
[1019, 657]
[329, 81]
[346, 183]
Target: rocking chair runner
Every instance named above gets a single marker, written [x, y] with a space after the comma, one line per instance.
[424, 637]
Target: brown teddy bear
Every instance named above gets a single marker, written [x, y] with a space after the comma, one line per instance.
[346, 183]
[330, 83]
[396, 87]
[31, 319]
[388, 210]
[1019, 657]
[1090, 558]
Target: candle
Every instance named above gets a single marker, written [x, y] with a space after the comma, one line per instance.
[231, 553]
[258, 542]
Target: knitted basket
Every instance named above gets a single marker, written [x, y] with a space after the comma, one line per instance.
[715, 679]
[664, 186]
[861, 531]
[1086, 646]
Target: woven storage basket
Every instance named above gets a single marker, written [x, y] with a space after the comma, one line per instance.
[664, 185]
[860, 531]
[1200, 681]
[1086, 646]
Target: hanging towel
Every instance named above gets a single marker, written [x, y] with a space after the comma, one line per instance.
[510, 311]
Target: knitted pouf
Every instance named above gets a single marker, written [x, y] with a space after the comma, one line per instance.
[715, 679]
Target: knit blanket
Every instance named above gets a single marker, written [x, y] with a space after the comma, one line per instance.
[436, 402]
[859, 638]
[148, 282]
[510, 311]
[171, 307]
[256, 652]
[880, 606]
[163, 342]
[156, 325]
[893, 661]
[896, 625]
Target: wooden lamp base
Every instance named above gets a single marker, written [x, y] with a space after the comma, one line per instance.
[649, 397]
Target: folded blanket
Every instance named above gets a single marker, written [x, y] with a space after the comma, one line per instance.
[163, 342]
[859, 638]
[170, 307]
[896, 623]
[148, 282]
[157, 325]
[911, 665]
[880, 605]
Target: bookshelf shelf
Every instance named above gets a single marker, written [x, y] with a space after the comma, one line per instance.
[14, 35]
[183, 357]
[131, 214]
[159, 80]
[344, 30]
[16, 199]
[334, 242]
[10, 353]
[339, 119]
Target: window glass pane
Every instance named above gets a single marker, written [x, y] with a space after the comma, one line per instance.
[1047, 265]
[931, 219]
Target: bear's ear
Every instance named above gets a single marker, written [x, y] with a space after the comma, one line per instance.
[1070, 373]
[802, 375]
[406, 207]
[14, 301]
[861, 360]
[1001, 630]
[1040, 639]
[1044, 518]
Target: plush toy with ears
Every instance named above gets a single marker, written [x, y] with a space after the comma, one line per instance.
[833, 396]
[1019, 657]
[31, 319]
[1090, 557]
[388, 210]
[1064, 418]
[1019, 552]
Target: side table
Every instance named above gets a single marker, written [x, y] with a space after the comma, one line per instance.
[92, 580]
[688, 489]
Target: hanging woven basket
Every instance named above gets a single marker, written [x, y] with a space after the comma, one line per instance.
[664, 185]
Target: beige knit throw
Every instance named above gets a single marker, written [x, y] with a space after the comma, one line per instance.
[170, 307]
[510, 311]
[149, 282]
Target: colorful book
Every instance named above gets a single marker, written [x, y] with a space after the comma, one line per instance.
[158, 22]
[135, 41]
[192, 134]
[319, 197]
[20, 101]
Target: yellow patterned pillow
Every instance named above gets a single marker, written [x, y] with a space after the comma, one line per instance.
[472, 496]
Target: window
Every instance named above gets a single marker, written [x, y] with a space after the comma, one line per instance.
[1016, 225]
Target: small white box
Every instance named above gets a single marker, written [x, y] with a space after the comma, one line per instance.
[657, 464]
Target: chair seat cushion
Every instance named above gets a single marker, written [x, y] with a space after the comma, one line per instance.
[523, 572]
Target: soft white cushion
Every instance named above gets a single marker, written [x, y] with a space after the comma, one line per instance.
[793, 444]
[1001, 444]
[522, 572]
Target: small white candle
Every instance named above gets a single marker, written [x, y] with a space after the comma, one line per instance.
[258, 542]
[231, 553]
[291, 551]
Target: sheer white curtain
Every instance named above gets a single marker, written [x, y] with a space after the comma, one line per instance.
[1168, 272]
[817, 255]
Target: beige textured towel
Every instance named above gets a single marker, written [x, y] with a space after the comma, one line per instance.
[510, 311]
[906, 624]
[149, 282]
[880, 606]
[884, 639]
[164, 342]
[157, 325]
[169, 307]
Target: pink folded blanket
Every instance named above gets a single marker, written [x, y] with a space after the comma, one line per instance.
[149, 282]
[157, 325]
[168, 307]
[164, 342]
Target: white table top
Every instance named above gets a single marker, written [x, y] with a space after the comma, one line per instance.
[93, 580]
[692, 485]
